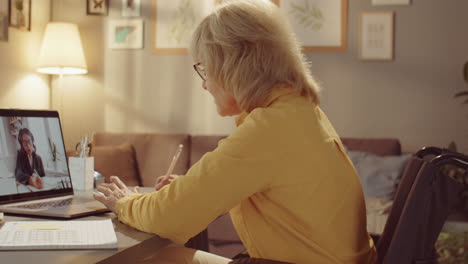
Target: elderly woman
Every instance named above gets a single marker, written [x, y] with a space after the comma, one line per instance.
[292, 193]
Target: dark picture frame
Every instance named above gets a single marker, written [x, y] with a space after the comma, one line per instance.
[4, 19]
[20, 14]
[97, 7]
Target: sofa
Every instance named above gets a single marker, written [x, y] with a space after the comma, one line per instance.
[139, 158]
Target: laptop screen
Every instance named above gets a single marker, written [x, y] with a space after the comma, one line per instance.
[33, 162]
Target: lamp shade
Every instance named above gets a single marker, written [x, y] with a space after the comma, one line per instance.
[61, 51]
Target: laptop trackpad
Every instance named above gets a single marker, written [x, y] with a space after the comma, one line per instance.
[78, 208]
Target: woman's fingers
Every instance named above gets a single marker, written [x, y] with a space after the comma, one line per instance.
[109, 202]
[160, 179]
[110, 193]
[104, 189]
[118, 182]
[158, 184]
[100, 197]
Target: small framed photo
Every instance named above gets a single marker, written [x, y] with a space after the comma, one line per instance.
[376, 35]
[4, 19]
[131, 8]
[391, 2]
[97, 7]
[20, 14]
[126, 34]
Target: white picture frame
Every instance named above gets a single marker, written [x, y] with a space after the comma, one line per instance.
[390, 2]
[131, 8]
[174, 22]
[376, 35]
[125, 33]
[320, 25]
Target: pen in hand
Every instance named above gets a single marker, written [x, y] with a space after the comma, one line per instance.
[172, 165]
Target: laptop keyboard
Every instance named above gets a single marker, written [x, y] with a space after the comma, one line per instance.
[50, 204]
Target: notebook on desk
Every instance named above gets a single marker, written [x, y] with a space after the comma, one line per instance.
[36, 235]
[34, 173]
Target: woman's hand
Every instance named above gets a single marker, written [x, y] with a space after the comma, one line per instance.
[35, 181]
[113, 191]
[162, 181]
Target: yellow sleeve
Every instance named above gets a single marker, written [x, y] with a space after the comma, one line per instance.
[236, 169]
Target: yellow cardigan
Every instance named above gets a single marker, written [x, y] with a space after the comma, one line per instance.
[291, 190]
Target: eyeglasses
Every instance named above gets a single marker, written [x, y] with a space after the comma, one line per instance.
[26, 142]
[200, 70]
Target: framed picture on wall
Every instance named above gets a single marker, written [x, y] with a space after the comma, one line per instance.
[174, 22]
[321, 25]
[20, 14]
[126, 33]
[391, 2]
[274, 1]
[4, 19]
[131, 8]
[97, 7]
[376, 35]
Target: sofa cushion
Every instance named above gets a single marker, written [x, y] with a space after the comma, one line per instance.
[379, 175]
[201, 145]
[153, 152]
[117, 160]
[378, 146]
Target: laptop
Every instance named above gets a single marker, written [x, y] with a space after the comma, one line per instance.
[34, 174]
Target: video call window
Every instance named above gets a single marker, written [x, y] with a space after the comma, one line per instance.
[32, 155]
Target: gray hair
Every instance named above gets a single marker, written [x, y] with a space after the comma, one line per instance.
[248, 48]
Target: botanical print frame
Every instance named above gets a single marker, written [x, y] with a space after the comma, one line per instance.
[4, 19]
[97, 7]
[20, 14]
[273, 1]
[126, 33]
[320, 25]
[131, 8]
[174, 22]
[390, 2]
[376, 35]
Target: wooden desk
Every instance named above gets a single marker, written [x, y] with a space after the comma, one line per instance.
[126, 236]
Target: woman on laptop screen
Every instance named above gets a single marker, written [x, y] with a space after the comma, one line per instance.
[29, 167]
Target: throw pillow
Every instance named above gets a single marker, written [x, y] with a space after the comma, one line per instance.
[117, 160]
[379, 175]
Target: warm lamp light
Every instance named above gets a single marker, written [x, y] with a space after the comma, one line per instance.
[61, 51]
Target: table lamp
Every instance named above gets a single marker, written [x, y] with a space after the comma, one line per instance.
[61, 52]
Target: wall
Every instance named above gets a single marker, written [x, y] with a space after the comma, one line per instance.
[80, 98]
[410, 98]
[20, 85]
[130, 90]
